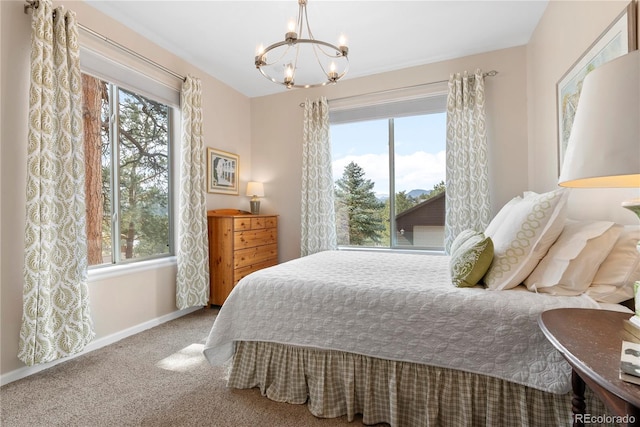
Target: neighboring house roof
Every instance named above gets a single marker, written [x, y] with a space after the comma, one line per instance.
[430, 212]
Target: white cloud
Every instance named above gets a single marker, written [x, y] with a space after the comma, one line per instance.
[418, 170]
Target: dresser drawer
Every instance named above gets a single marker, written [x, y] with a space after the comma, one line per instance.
[249, 239]
[240, 224]
[239, 273]
[264, 222]
[249, 256]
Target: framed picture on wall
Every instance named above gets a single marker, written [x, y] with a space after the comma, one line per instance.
[222, 172]
[618, 39]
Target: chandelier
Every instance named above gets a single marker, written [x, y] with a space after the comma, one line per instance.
[303, 62]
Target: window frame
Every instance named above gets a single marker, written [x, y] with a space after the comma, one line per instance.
[120, 76]
[399, 104]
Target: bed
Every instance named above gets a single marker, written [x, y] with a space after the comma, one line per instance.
[387, 336]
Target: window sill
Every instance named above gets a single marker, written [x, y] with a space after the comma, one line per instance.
[102, 273]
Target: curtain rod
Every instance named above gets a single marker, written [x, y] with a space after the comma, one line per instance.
[33, 4]
[487, 74]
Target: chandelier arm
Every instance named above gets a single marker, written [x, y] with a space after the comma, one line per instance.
[338, 50]
[299, 86]
[309, 41]
[302, 12]
[272, 47]
[318, 45]
[306, 20]
[327, 44]
[286, 43]
[269, 77]
[295, 66]
[315, 47]
[304, 41]
[338, 54]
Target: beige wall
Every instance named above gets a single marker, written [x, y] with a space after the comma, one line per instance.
[128, 299]
[276, 128]
[566, 30]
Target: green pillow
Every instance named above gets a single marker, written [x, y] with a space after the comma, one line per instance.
[471, 256]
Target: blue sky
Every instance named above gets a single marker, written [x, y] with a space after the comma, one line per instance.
[419, 151]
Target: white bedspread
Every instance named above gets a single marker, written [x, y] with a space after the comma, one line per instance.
[394, 306]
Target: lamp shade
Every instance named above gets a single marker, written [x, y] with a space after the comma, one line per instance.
[255, 189]
[604, 145]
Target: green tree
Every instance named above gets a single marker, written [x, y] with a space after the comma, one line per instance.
[143, 172]
[437, 189]
[144, 185]
[403, 202]
[358, 211]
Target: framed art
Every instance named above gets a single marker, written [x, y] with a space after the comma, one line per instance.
[618, 39]
[222, 172]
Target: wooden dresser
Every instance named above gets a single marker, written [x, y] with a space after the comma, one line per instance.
[239, 244]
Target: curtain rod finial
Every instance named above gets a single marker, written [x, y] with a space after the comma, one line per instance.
[31, 4]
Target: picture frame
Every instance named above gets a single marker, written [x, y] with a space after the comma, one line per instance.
[222, 171]
[618, 39]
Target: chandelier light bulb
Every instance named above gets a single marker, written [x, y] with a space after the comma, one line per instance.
[261, 58]
[333, 75]
[342, 41]
[344, 50]
[291, 35]
[288, 76]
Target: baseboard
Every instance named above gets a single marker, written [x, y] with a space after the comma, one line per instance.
[94, 345]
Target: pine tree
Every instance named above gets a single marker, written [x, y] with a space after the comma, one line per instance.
[357, 208]
[143, 139]
[437, 189]
[403, 202]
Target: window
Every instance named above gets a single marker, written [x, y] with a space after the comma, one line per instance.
[398, 148]
[128, 139]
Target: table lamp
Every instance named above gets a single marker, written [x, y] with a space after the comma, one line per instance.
[255, 190]
[604, 145]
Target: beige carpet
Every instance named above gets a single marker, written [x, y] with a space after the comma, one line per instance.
[156, 378]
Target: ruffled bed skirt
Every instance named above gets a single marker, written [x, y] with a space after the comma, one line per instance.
[400, 394]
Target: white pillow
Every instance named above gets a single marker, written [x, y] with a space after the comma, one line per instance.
[613, 283]
[523, 236]
[573, 260]
[501, 216]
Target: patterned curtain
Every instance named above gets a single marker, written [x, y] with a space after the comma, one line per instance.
[56, 321]
[467, 182]
[192, 283]
[318, 214]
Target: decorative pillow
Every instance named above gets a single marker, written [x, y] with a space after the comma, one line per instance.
[573, 260]
[524, 235]
[613, 282]
[461, 239]
[471, 255]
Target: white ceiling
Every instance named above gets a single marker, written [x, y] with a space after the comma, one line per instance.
[221, 37]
